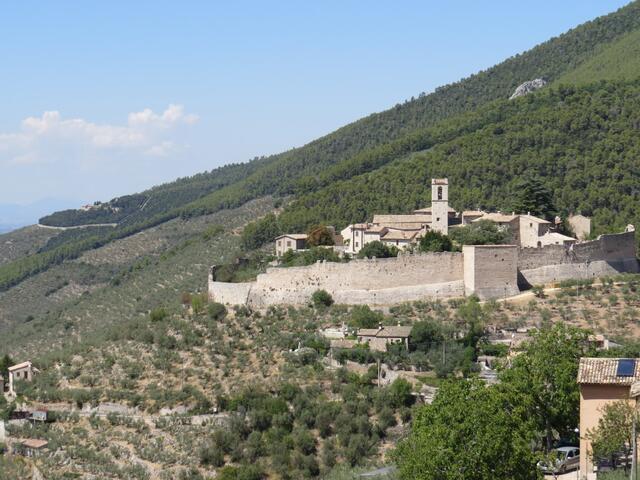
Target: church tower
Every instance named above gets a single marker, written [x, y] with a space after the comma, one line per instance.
[440, 205]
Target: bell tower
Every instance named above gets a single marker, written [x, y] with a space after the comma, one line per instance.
[440, 205]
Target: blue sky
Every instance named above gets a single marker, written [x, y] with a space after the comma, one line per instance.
[138, 93]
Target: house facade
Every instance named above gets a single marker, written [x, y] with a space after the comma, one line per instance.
[22, 371]
[291, 241]
[602, 381]
[379, 338]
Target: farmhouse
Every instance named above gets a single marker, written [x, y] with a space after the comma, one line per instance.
[22, 371]
[379, 338]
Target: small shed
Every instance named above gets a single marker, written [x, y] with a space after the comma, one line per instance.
[31, 447]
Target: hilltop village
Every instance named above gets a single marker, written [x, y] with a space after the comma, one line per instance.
[404, 231]
[535, 253]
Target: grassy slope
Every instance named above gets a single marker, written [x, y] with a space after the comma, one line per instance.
[284, 173]
[90, 301]
[619, 60]
[225, 356]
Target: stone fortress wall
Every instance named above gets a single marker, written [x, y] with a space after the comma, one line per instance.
[488, 271]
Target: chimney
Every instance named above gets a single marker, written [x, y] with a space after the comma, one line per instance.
[379, 326]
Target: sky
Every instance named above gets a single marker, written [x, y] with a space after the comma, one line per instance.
[101, 99]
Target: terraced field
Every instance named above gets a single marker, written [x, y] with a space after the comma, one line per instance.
[121, 280]
[23, 241]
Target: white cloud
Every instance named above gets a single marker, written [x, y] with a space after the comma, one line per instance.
[50, 137]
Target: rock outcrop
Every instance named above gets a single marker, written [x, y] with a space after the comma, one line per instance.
[528, 87]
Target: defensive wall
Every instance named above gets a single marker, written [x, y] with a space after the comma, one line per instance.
[489, 271]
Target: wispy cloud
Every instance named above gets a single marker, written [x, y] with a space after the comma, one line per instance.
[51, 136]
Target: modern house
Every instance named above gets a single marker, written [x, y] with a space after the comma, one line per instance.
[602, 381]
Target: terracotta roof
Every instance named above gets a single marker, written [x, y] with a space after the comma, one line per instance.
[497, 217]
[439, 181]
[19, 366]
[375, 229]
[472, 213]
[534, 219]
[360, 226]
[342, 343]
[604, 371]
[407, 219]
[34, 443]
[294, 236]
[428, 210]
[400, 234]
[385, 332]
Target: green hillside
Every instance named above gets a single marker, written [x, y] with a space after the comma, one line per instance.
[619, 60]
[298, 170]
[581, 141]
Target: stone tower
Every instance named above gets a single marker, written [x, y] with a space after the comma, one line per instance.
[440, 205]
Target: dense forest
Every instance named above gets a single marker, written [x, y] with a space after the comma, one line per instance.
[581, 141]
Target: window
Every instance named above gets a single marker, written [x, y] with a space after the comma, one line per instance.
[439, 193]
[288, 243]
[279, 243]
[356, 244]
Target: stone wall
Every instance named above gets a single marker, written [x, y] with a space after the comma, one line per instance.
[490, 271]
[608, 255]
[382, 281]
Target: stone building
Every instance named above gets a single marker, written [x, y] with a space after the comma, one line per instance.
[602, 381]
[440, 205]
[379, 338]
[290, 241]
[22, 371]
[581, 226]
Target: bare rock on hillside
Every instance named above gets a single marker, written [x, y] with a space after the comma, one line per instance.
[528, 87]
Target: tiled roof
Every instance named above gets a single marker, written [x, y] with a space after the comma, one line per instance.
[389, 219]
[342, 343]
[19, 366]
[535, 219]
[34, 443]
[385, 332]
[294, 236]
[400, 234]
[497, 217]
[603, 371]
[428, 210]
[472, 213]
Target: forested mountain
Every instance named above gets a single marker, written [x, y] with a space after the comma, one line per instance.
[580, 141]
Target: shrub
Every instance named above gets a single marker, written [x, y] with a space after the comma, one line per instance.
[217, 311]
[483, 232]
[319, 235]
[363, 317]
[378, 250]
[158, 314]
[321, 298]
[198, 303]
[435, 242]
